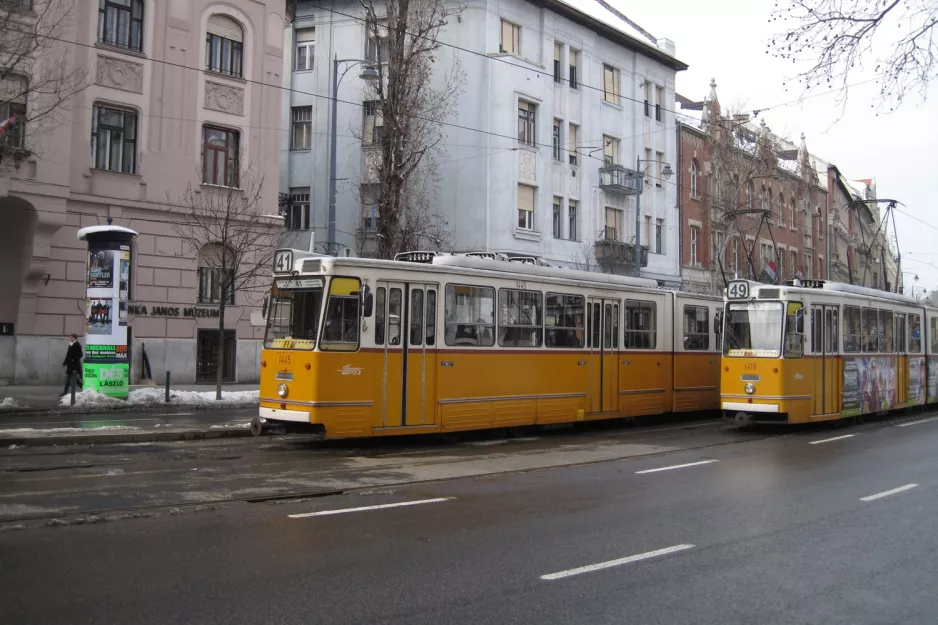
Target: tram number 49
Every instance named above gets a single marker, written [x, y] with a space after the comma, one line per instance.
[737, 290]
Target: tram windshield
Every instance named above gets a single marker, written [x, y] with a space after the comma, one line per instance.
[753, 329]
[293, 313]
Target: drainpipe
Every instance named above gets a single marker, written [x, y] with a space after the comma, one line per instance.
[680, 205]
[827, 227]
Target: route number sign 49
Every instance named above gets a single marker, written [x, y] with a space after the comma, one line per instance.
[738, 289]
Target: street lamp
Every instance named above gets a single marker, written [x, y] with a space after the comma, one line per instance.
[666, 173]
[369, 74]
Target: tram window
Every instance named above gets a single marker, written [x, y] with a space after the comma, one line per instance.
[431, 318]
[394, 317]
[794, 340]
[640, 325]
[816, 331]
[380, 315]
[900, 334]
[886, 328]
[718, 329]
[869, 331]
[469, 312]
[294, 314]
[696, 328]
[615, 326]
[832, 325]
[934, 335]
[595, 325]
[607, 327]
[416, 317]
[851, 329]
[340, 332]
[563, 316]
[519, 318]
[915, 334]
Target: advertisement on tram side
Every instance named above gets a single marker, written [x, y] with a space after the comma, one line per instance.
[932, 379]
[869, 385]
[916, 380]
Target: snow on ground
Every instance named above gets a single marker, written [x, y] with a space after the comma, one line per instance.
[226, 426]
[8, 402]
[103, 428]
[145, 396]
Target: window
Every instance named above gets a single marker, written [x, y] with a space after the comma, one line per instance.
[294, 314]
[647, 167]
[915, 334]
[794, 330]
[659, 102]
[933, 334]
[376, 43]
[779, 208]
[120, 23]
[794, 211]
[298, 217]
[556, 140]
[780, 270]
[431, 318]
[571, 147]
[369, 196]
[558, 218]
[886, 329]
[416, 317]
[525, 207]
[213, 280]
[694, 237]
[613, 224]
[572, 220]
[526, 118]
[519, 318]
[694, 181]
[342, 321]
[611, 84]
[610, 151]
[900, 334]
[395, 305]
[305, 49]
[696, 328]
[869, 330]
[717, 246]
[564, 319]
[13, 91]
[763, 200]
[114, 139]
[223, 46]
[470, 316]
[750, 192]
[558, 52]
[647, 236]
[820, 224]
[647, 85]
[511, 38]
[852, 328]
[302, 127]
[659, 167]
[219, 156]
[659, 234]
[380, 314]
[640, 325]
[574, 59]
[372, 123]
[793, 264]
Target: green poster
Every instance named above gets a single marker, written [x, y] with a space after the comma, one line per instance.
[110, 378]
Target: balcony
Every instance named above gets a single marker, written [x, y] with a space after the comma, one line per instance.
[615, 255]
[619, 179]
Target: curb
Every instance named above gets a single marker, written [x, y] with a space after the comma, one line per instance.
[130, 408]
[129, 437]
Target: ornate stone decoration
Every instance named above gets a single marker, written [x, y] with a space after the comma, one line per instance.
[224, 98]
[120, 74]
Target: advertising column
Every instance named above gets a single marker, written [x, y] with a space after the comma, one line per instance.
[107, 290]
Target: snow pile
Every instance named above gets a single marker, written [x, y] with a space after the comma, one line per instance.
[103, 428]
[8, 402]
[229, 426]
[146, 396]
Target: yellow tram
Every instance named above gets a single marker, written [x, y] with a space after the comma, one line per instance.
[441, 343]
[816, 351]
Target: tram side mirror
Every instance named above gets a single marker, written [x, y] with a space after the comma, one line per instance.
[265, 305]
[368, 302]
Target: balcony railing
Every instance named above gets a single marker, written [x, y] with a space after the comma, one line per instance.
[620, 179]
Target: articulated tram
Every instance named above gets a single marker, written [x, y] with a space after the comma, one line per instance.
[811, 350]
[442, 343]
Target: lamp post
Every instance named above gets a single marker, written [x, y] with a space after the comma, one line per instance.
[666, 174]
[369, 74]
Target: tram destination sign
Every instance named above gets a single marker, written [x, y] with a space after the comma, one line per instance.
[300, 283]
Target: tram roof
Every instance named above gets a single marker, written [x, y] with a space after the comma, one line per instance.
[813, 286]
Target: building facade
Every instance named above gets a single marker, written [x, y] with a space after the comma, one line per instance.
[168, 95]
[554, 93]
[752, 204]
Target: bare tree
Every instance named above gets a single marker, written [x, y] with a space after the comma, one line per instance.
[832, 39]
[585, 258]
[412, 100]
[38, 73]
[227, 230]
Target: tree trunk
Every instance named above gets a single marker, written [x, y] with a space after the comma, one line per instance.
[220, 372]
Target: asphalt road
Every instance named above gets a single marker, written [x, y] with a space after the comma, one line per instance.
[819, 526]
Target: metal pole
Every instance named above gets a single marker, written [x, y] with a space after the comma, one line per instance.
[330, 232]
[71, 382]
[638, 218]
[166, 399]
[828, 229]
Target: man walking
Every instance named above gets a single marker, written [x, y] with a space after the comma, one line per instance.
[72, 362]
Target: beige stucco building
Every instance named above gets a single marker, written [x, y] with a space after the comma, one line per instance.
[175, 92]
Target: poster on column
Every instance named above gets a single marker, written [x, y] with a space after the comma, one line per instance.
[100, 316]
[100, 268]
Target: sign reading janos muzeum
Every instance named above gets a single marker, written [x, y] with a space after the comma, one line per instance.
[144, 310]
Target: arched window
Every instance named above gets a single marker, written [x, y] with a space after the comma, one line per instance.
[216, 274]
[764, 199]
[694, 172]
[780, 209]
[224, 43]
[750, 192]
[120, 23]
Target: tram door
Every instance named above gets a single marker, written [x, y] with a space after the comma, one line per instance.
[603, 341]
[825, 323]
[409, 354]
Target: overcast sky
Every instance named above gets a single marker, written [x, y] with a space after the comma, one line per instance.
[727, 39]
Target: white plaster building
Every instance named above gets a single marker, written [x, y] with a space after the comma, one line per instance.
[554, 91]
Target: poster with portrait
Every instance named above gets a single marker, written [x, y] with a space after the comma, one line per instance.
[100, 316]
[100, 268]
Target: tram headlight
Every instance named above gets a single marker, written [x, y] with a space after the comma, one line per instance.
[282, 390]
[750, 388]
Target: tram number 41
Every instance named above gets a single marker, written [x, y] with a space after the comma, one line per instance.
[737, 290]
[283, 261]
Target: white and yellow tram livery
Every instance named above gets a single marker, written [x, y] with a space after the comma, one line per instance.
[814, 351]
[443, 343]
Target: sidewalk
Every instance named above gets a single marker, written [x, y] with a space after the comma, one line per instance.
[47, 398]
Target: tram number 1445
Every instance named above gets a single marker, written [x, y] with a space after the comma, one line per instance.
[738, 289]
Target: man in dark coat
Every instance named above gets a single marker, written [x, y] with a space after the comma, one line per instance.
[72, 362]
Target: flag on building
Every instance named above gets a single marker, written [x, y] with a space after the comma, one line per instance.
[771, 271]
